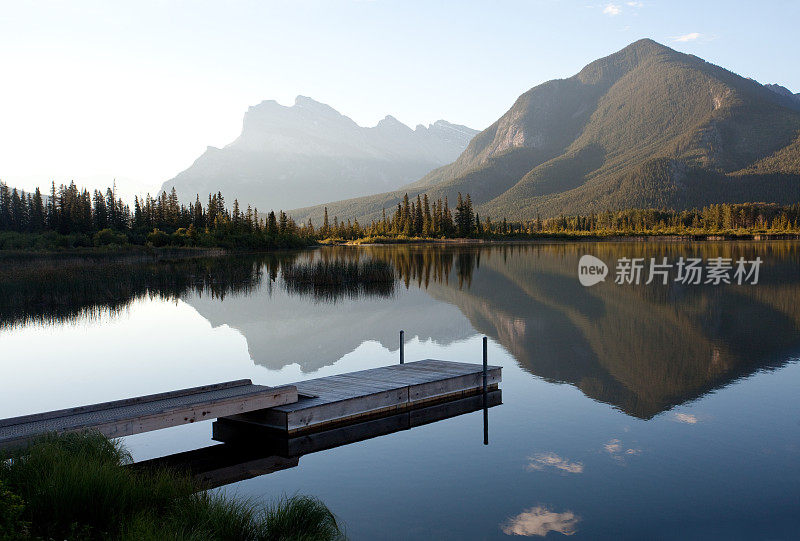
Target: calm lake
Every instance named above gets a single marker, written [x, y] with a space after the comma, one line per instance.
[629, 411]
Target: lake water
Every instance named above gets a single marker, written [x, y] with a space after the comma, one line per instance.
[629, 411]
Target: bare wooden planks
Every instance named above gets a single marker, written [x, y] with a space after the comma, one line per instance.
[152, 412]
[346, 398]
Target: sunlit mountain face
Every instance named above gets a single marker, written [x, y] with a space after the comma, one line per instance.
[645, 127]
[641, 348]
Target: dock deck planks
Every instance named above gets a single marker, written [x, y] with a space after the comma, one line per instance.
[152, 412]
[306, 406]
[350, 397]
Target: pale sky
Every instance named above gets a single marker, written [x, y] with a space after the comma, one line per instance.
[95, 90]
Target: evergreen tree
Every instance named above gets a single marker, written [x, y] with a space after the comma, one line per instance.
[426, 217]
[100, 211]
[37, 213]
[5, 207]
[326, 229]
[283, 223]
[464, 219]
[272, 224]
[419, 219]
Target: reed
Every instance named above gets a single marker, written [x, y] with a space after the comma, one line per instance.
[57, 289]
[330, 280]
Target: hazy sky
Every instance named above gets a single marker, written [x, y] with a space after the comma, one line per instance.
[136, 90]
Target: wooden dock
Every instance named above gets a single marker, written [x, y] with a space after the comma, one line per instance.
[253, 451]
[299, 408]
[152, 412]
[347, 398]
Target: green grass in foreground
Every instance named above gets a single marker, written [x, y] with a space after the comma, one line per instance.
[76, 486]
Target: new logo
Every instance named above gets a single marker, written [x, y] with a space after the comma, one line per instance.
[591, 270]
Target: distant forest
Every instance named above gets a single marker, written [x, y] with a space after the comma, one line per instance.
[421, 219]
[69, 218]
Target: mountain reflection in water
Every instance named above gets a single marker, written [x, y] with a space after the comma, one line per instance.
[641, 348]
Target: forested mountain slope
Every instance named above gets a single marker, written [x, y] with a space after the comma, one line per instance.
[644, 127]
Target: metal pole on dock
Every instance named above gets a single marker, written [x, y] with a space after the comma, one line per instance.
[485, 396]
[485, 365]
[402, 342]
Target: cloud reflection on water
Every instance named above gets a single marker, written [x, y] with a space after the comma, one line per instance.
[687, 418]
[618, 451]
[539, 521]
[542, 461]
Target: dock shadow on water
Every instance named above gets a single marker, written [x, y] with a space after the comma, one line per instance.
[253, 451]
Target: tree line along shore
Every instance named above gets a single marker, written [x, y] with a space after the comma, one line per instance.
[69, 218]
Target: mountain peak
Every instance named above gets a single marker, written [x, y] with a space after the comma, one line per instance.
[647, 45]
[641, 49]
[390, 122]
[304, 102]
[782, 91]
[389, 119]
[612, 67]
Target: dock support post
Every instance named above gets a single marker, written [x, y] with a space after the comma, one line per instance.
[485, 395]
[485, 365]
[402, 342]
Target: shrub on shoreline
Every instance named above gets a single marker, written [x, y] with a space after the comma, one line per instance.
[77, 486]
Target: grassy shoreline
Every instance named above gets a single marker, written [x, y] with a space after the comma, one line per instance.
[570, 237]
[77, 486]
[138, 253]
[122, 254]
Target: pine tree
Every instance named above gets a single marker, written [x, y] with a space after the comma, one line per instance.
[272, 224]
[5, 207]
[237, 216]
[326, 230]
[463, 220]
[283, 223]
[419, 219]
[426, 217]
[100, 211]
[37, 215]
[405, 217]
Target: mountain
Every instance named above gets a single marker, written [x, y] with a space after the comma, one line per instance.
[783, 91]
[309, 153]
[644, 127]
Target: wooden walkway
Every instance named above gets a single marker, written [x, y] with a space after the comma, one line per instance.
[134, 415]
[354, 396]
